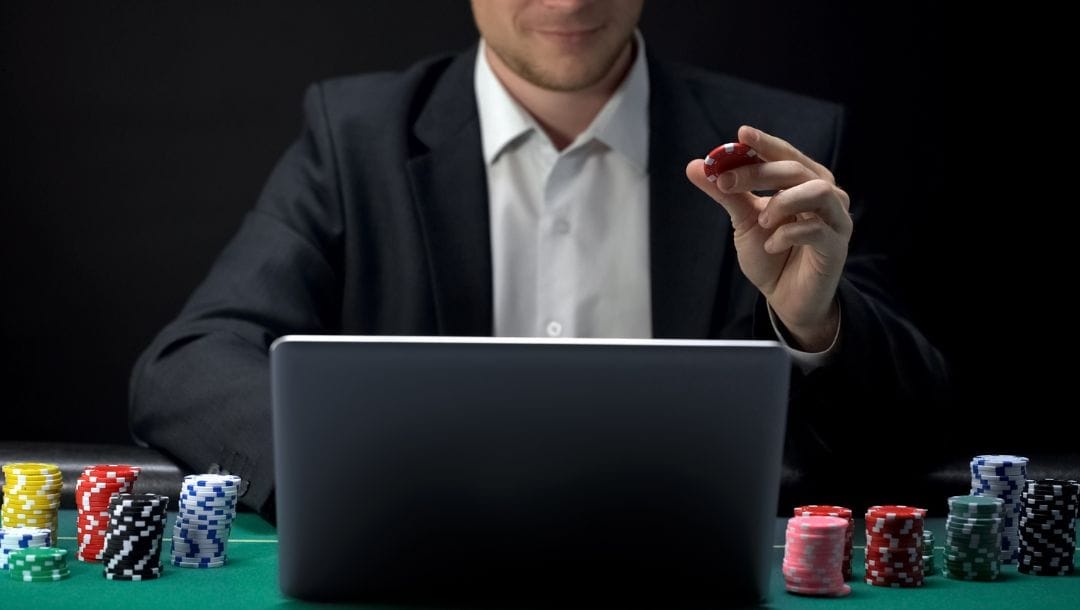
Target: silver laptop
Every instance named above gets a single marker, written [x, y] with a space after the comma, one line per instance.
[446, 470]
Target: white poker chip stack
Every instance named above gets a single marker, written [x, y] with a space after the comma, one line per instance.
[1002, 476]
[204, 521]
[14, 539]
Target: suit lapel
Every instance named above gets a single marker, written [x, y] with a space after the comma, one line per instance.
[689, 233]
[449, 187]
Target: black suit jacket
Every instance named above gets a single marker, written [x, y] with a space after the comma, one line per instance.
[376, 222]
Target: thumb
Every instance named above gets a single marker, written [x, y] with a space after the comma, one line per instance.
[739, 206]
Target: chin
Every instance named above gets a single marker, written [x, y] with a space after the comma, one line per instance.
[573, 77]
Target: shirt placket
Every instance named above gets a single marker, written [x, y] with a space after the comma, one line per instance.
[556, 262]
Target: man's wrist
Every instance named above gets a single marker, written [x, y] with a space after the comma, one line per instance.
[815, 337]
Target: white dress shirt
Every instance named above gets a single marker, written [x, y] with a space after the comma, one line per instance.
[570, 228]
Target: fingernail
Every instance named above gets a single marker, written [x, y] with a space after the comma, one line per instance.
[753, 135]
[727, 180]
[763, 219]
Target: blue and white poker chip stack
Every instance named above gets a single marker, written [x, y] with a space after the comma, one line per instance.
[17, 538]
[1002, 476]
[204, 521]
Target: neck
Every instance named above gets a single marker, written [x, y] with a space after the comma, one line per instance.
[563, 115]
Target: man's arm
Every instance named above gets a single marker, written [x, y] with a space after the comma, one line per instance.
[793, 247]
[201, 390]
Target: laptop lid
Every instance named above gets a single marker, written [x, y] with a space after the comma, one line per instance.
[433, 469]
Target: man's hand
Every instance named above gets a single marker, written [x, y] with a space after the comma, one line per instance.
[793, 245]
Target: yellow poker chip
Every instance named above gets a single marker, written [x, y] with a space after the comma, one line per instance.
[12, 502]
[12, 507]
[34, 478]
[25, 506]
[47, 513]
[30, 468]
[57, 486]
[24, 493]
[8, 522]
[15, 489]
[12, 511]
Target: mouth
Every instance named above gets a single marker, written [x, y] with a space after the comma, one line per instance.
[569, 35]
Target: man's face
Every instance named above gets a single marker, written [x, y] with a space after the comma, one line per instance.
[563, 45]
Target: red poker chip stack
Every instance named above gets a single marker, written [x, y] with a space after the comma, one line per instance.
[813, 555]
[821, 510]
[93, 490]
[894, 538]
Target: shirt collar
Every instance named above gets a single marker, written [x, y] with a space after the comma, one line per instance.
[622, 124]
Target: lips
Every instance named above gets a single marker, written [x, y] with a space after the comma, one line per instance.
[568, 35]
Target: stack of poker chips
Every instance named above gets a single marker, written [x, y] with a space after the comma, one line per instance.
[46, 564]
[819, 510]
[928, 566]
[1002, 476]
[204, 521]
[973, 538]
[133, 540]
[894, 546]
[814, 555]
[31, 495]
[17, 538]
[93, 490]
[1048, 527]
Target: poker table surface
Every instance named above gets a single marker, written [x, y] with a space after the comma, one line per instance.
[250, 581]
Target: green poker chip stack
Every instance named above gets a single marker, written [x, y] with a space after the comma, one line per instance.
[928, 553]
[973, 538]
[44, 564]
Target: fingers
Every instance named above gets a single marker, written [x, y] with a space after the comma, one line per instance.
[772, 148]
[811, 232]
[765, 177]
[817, 198]
[743, 208]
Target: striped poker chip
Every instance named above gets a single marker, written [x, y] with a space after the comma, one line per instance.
[133, 539]
[814, 555]
[1046, 543]
[204, 519]
[94, 491]
[894, 546]
[1002, 477]
[39, 564]
[727, 157]
[31, 492]
[973, 534]
[841, 512]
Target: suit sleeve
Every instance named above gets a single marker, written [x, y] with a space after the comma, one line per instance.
[201, 390]
[884, 382]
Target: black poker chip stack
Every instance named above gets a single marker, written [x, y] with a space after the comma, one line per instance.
[133, 540]
[1048, 527]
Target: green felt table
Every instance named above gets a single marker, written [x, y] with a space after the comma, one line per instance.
[250, 581]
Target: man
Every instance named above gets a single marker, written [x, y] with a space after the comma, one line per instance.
[536, 186]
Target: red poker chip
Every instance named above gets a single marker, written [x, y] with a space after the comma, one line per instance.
[895, 511]
[727, 157]
[822, 510]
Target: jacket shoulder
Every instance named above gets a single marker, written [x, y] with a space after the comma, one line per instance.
[377, 101]
[812, 125]
[755, 98]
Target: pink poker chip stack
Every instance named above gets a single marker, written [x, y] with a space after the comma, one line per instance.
[814, 556]
[822, 510]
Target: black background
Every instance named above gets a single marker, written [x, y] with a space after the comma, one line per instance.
[136, 134]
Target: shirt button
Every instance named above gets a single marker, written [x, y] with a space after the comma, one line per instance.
[562, 226]
[554, 329]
